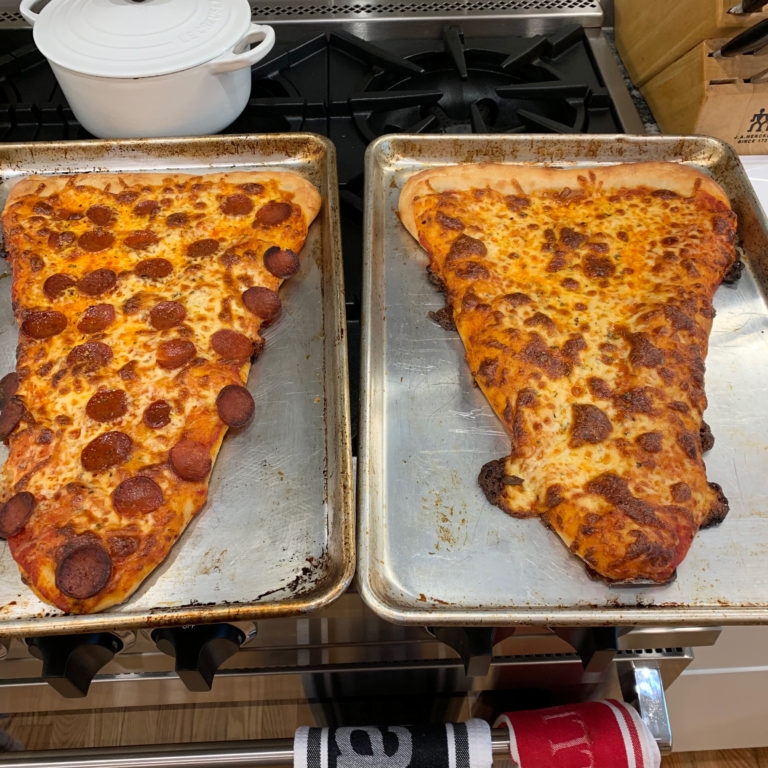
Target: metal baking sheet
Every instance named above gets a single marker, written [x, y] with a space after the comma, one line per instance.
[276, 536]
[432, 550]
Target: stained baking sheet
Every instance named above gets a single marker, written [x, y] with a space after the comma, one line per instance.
[276, 536]
[431, 549]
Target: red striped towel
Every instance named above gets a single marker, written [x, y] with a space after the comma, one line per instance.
[595, 734]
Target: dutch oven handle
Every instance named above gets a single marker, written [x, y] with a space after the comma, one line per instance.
[257, 33]
[25, 9]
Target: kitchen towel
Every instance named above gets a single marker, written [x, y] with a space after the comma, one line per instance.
[595, 734]
[452, 745]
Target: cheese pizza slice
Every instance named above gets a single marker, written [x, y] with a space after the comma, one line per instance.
[583, 298]
[139, 300]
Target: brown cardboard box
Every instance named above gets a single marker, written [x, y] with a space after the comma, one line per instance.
[702, 95]
[651, 34]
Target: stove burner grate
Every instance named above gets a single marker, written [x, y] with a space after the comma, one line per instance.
[462, 89]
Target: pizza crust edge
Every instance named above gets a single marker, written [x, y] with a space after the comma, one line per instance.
[525, 179]
[305, 193]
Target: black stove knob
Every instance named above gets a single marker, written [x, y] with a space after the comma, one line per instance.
[597, 646]
[71, 661]
[473, 644]
[199, 651]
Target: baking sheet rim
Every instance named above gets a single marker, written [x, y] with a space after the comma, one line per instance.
[336, 579]
[378, 600]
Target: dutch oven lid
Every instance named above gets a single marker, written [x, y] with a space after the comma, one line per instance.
[138, 38]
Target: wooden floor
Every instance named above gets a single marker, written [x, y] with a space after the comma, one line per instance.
[234, 722]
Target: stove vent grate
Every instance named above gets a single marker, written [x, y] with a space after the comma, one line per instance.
[12, 19]
[300, 9]
[388, 10]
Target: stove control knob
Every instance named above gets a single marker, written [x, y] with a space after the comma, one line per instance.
[199, 651]
[71, 661]
[473, 644]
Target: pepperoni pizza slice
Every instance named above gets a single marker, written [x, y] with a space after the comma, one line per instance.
[139, 300]
[583, 298]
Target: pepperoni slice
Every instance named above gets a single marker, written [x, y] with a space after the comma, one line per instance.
[179, 219]
[262, 302]
[84, 571]
[252, 188]
[281, 262]
[153, 269]
[235, 405]
[157, 414]
[232, 345]
[101, 215]
[42, 208]
[137, 496]
[190, 460]
[44, 324]
[10, 416]
[202, 248]
[174, 353]
[56, 284]
[36, 263]
[9, 385]
[90, 356]
[141, 239]
[166, 315]
[59, 240]
[96, 318]
[272, 213]
[237, 205]
[106, 450]
[95, 240]
[107, 404]
[97, 282]
[146, 208]
[15, 513]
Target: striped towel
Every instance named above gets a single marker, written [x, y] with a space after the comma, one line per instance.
[598, 734]
[449, 745]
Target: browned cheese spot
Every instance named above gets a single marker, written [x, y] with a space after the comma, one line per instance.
[589, 425]
[650, 442]
[615, 490]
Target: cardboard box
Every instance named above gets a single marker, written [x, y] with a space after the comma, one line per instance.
[651, 34]
[698, 94]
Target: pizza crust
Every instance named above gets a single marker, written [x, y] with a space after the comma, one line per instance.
[510, 179]
[304, 192]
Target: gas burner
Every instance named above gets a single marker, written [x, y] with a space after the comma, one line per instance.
[462, 89]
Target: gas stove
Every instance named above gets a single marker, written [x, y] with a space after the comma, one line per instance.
[354, 71]
[352, 78]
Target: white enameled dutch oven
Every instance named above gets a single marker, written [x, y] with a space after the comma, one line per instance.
[140, 68]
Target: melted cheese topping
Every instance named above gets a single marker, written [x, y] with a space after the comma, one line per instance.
[213, 240]
[585, 314]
